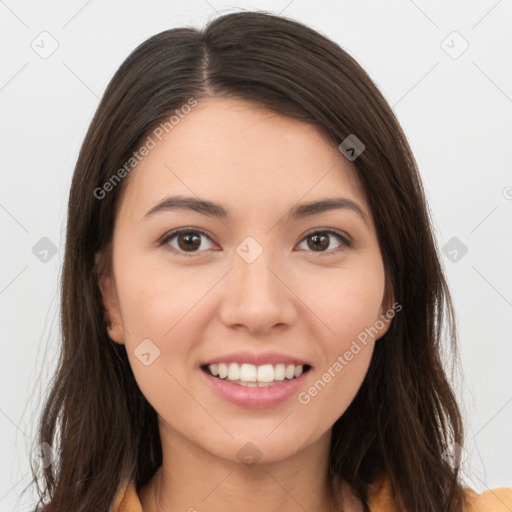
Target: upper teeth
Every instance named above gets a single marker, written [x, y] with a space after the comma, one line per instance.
[252, 373]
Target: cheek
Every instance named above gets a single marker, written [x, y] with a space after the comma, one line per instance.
[159, 308]
[167, 304]
[348, 302]
[334, 386]
[346, 354]
[157, 296]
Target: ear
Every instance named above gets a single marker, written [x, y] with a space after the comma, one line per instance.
[388, 310]
[111, 312]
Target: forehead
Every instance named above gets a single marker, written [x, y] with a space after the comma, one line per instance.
[238, 153]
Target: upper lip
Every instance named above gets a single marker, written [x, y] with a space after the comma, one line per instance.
[256, 359]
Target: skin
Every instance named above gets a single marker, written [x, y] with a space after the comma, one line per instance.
[297, 298]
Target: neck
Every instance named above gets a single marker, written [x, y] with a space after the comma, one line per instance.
[191, 479]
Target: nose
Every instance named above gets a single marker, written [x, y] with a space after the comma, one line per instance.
[256, 297]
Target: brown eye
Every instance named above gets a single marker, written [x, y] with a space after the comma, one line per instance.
[320, 242]
[186, 242]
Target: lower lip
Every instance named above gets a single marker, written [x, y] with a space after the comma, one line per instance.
[256, 398]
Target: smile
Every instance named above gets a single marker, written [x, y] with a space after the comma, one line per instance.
[250, 375]
[274, 389]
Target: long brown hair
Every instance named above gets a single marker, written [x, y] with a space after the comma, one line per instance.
[404, 418]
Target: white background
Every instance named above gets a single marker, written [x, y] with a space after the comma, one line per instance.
[456, 112]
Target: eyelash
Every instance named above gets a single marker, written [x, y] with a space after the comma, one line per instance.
[169, 236]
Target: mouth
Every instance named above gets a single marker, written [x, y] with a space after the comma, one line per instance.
[253, 376]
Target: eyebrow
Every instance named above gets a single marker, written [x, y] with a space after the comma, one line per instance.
[299, 211]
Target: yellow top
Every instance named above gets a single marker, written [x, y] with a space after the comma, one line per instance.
[492, 500]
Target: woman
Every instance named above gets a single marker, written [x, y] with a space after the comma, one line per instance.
[252, 300]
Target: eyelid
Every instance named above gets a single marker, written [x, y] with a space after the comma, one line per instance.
[343, 237]
[178, 231]
[338, 232]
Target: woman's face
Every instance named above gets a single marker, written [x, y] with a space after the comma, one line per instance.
[258, 281]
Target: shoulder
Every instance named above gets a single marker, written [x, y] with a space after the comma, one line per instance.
[126, 499]
[491, 500]
[380, 499]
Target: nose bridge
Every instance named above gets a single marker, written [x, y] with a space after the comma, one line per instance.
[256, 297]
[253, 278]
